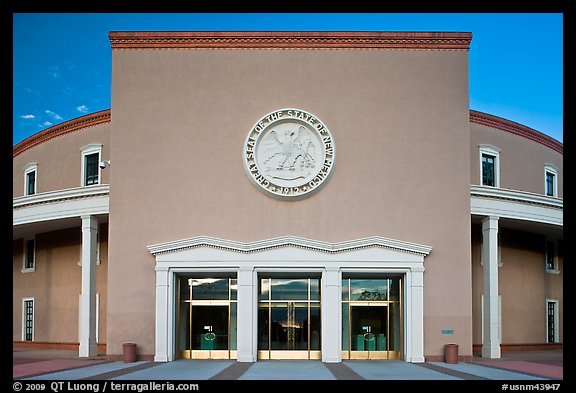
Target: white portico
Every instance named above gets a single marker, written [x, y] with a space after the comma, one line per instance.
[247, 262]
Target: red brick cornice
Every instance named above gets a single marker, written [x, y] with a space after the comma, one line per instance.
[289, 40]
[105, 117]
[515, 128]
[61, 129]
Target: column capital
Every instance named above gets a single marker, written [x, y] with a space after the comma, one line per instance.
[89, 221]
[490, 222]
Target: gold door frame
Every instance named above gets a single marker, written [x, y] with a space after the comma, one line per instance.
[269, 353]
[375, 355]
[204, 353]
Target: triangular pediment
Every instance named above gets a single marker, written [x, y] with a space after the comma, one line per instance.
[391, 247]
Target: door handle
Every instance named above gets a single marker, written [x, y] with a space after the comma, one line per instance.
[368, 336]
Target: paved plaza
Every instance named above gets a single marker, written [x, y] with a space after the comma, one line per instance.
[65, 365]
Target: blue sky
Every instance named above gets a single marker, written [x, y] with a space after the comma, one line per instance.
[62, 62]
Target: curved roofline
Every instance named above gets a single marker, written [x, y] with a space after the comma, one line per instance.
[76, 124]
[289, 40]
[104, 116]
[515, 128]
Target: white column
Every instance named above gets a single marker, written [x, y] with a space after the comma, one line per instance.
[162, 351]
[331, 315]
[247, 349]
[416, 293]
[490, 341]
[88, 345]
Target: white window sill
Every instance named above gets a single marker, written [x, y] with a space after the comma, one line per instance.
[32, 270]
[552, 271]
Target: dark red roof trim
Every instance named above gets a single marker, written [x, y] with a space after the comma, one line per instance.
[289, 40]
[61, 129]
[515, 128]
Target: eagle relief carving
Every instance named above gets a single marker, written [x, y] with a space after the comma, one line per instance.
[288, 155]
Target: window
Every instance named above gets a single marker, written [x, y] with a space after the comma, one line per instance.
[551, 257]
[552, 320]
[550, 180]
[29, 264]
[91, 165]
[489, 166]
[28, 319]
[91, 169]
[488, 176]
[30, 178]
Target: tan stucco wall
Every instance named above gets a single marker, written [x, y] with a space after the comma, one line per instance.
[521, 160]
[400, 122]
[60, 160]
[523, 285]
[56, 285]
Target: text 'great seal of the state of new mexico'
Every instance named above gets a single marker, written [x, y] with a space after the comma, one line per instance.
[289, 154]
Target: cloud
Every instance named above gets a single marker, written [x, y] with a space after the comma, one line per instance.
[53, 115]
[82, 108]
[27, 116]
[68, 90]
[54, 71]
[45, 124]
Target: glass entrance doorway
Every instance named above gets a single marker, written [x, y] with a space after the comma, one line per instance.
[206, 318]
[289, 318]
[371, 318]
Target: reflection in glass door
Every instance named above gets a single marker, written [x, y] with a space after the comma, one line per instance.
[371, 318]
[289, 318]
[206, 319]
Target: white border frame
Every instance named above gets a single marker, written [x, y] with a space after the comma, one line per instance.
[495, 152]
[24, 300]
[549, 168]
[87, 150]
[556, 320]
[29, 168]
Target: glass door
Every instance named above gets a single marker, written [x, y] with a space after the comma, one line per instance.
[289, 318]
[369, 330]
[210, 328]
[206, 319]
[371, 318]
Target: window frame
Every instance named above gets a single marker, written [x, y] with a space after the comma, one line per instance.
[551, 169]
[556, 321]
[28, 169]
[554, 269]
[24, 315]
[492, 151]
[87, 151]
[25, 253]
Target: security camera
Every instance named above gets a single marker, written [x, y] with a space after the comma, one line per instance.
[104, 164]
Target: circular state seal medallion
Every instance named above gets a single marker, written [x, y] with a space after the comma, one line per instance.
[289, 154]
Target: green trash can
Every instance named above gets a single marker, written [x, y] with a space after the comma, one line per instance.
[381, 342]
[207, 341]
[359, 342]
[370, 342]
